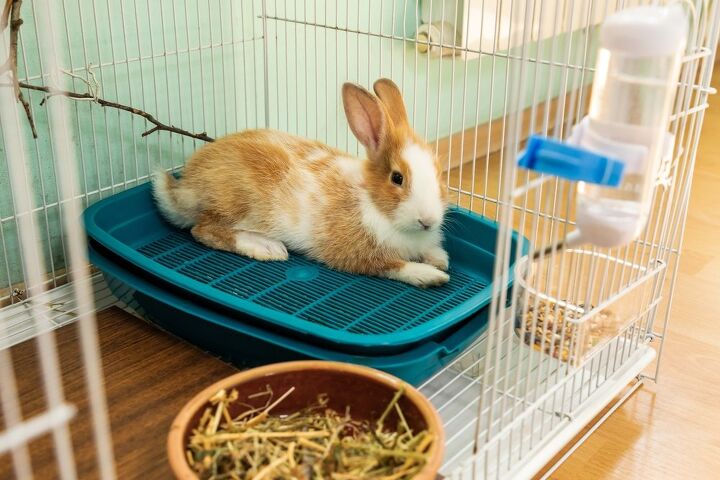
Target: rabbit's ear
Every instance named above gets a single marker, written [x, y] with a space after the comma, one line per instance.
[390, 95]
[366, 116]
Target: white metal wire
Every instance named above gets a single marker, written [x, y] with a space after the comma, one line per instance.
[77, 260]
[221, 66]
[19, 432]
[34, 269]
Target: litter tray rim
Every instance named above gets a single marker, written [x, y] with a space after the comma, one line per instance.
[282, 319]
[443, 350]
[163, 286]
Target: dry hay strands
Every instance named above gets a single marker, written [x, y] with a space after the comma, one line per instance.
[315, 442]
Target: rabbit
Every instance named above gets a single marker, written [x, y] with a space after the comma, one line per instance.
[261, 192]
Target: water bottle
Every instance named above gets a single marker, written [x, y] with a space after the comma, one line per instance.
[636, 77]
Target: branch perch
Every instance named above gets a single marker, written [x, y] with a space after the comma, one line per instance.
[11, 16]
[107, 103]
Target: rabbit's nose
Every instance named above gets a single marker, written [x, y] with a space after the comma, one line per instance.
[425, 223]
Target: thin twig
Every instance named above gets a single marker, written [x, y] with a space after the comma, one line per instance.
[11, 16]
[152, 130]
[107, 103]
[28, 113]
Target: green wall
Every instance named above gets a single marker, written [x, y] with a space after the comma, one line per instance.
[200, 65]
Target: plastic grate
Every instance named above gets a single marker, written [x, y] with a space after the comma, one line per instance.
[359, 305]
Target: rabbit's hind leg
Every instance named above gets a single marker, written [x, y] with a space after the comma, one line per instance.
[259, 247]
[212, 231]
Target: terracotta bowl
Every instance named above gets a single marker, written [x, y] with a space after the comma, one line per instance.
[365, 390]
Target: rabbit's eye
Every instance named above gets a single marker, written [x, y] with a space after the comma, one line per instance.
[396, 178]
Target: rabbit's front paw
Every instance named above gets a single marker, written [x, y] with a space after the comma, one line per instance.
[420, 275]
[437, 257]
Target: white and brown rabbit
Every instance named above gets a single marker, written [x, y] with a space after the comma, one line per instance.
[261, 192]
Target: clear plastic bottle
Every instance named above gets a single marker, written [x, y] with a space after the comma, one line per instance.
[636, 77]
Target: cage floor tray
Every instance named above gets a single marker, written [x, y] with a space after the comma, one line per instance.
[299, 296]
[246, 345]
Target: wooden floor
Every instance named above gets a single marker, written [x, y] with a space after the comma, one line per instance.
[666, 430]
[149, 376]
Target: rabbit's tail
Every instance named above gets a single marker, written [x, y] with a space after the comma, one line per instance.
[178, 204]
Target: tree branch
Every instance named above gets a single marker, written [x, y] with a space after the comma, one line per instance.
[11, 16]
[107, 103]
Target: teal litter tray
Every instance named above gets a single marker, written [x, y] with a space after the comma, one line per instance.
[245, 345]
[299, 297]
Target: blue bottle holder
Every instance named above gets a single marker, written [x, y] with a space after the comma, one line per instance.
[554, 157]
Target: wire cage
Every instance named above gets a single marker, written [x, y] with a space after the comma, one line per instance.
[103, 93]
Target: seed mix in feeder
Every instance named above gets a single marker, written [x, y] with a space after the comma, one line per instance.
[556, 335]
